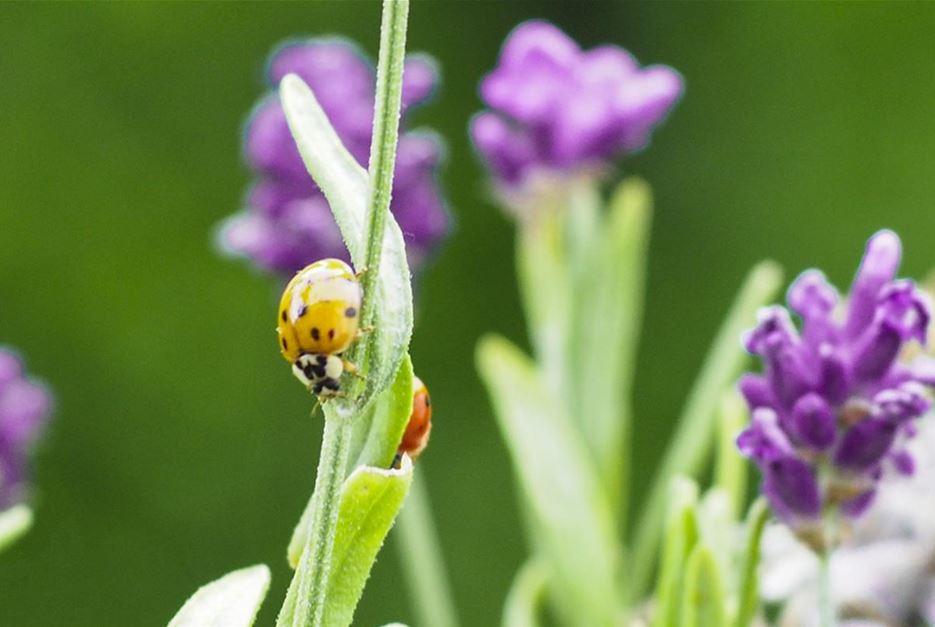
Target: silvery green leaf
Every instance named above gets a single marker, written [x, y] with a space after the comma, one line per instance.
[749, 580]
[565, 497]
[730, 468]
[693, 439]
[546, 288]
[376, 437]
[14, 522]
[345, 184]
[681, 535]
[608, 314]
[370, 500]
[231, 601]
[527, 594]
[377, 434]
[703, 591]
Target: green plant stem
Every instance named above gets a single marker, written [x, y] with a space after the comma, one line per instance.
[825, 602]
[313, 582]
[421, 557]
[315, 565]
[382, 157]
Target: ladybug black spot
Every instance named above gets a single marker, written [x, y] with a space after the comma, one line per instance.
[302, 311]
[285, 344]
[330, 334]
[316, 334]
[350, 312]
[283, 315]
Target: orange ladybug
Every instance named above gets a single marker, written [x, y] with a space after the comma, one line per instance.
[417, 432]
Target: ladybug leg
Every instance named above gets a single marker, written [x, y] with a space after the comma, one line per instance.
[352, 369]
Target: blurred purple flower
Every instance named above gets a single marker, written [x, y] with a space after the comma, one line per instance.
[835, 407]
[287, 223]
[556, 107]
[24, 411]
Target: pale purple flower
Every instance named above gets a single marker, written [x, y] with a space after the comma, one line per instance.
[884, 571]
[835, 407]
[557, 109]
[287, 222]
[24, 411]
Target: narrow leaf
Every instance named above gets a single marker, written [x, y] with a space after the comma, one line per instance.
[370, 500]
[565, 498]
[607, 323]
[375, 438]
[692, 442]
[524, 601]
[730, 468]
[680, 537]
[231, 601]
[545, 286]
[14, 523]
[703, 600]
[345, 185]
[749, 582]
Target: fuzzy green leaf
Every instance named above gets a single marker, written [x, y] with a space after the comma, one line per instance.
[345, 185]
[370, 501]
[377, 435]
[545, 286]
[749, 582]
[693, 439]
[609, 305]
[524, 601]
[565, 497]
[231, 601]
[375, 439]
[680, 538]
[730, 468]
[703, 594]
[14, 523]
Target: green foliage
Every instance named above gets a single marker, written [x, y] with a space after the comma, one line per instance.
[749, 599]
[231, 601]
[730, 469]
[370, 500]
[694, 436]
[330, 576]
[559, 483]
[375, 436]
[703, 593]
[681, 535]
[14, 523]
[706, 577]
[524, 601]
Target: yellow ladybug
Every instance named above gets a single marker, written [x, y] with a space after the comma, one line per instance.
[318, 320]
[416, 437]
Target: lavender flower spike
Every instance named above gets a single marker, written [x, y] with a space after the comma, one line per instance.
[558, 109]
[24, 410]
[287, 223]
[835, 407]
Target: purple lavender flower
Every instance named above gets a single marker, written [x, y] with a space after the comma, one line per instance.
[835, 406]
[24, 410]
[287, 223]
[557, 108]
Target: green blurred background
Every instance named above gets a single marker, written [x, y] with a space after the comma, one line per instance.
[182, 448]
